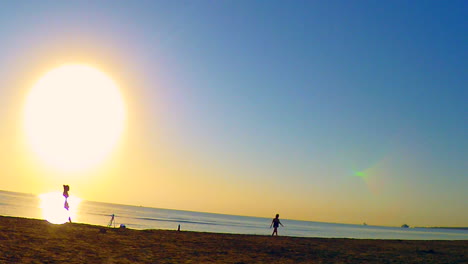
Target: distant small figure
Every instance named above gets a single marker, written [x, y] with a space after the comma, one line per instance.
[178, 228]
[122, 226]
[275, 223]
[66, 188]
[111, 221]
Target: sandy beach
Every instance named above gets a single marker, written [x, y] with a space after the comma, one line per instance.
[37, 241]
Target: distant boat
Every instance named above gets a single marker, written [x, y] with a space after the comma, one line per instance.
[405, 226]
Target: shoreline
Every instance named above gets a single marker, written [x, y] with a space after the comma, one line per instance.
[267, 219]
[443, 227]
[25, 240]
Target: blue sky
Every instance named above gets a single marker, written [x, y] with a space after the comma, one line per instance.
[288, 97]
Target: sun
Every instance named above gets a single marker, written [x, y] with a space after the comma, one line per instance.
[73, 117]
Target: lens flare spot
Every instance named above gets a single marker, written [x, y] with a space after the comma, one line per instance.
[360, 174]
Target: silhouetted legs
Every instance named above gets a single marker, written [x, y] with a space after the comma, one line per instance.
[275, 231]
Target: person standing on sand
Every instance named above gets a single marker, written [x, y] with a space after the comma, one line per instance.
[275, 223]
[66, 188]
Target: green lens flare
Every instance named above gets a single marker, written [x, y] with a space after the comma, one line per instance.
[360, 174]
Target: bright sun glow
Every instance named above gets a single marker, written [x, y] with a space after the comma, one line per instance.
[52, 207]
[73, 117]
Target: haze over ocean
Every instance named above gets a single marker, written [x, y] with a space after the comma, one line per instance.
[137, 217]
[326, 111]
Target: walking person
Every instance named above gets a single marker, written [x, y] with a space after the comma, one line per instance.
[275, 223]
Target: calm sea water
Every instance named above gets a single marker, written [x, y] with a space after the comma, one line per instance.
[97, 213]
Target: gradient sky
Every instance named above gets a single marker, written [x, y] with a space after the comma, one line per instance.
[337, 111]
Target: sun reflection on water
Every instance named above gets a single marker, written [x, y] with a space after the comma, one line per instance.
[52, 207]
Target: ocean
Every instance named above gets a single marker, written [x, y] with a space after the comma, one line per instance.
[137, 217]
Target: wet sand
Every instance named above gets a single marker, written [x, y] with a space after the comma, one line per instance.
[36, 241]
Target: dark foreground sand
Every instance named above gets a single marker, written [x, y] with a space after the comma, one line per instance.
[36, 241]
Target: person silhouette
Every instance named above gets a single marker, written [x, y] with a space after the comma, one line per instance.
[66, 188]
[111, 221]
[275, 223]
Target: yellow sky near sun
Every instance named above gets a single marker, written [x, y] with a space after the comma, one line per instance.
[144, 169]
[134, 173]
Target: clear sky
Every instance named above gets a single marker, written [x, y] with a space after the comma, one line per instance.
[337, 111]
